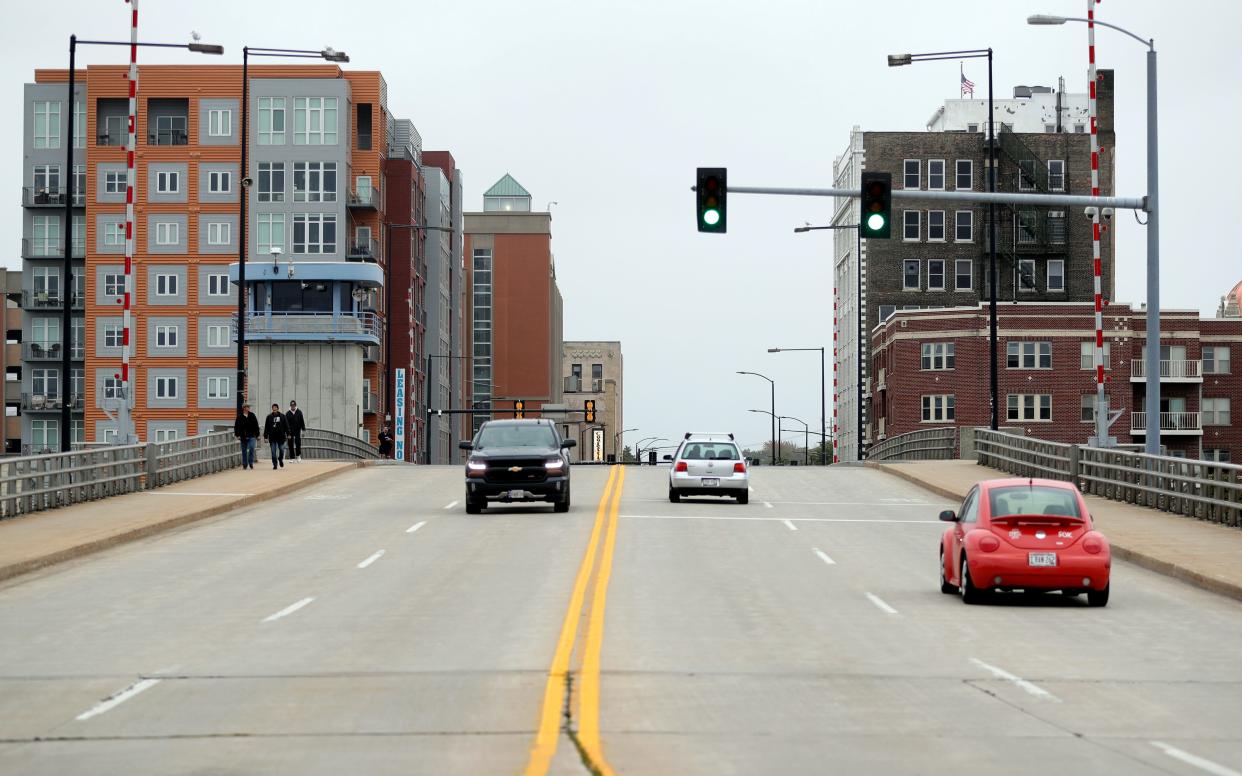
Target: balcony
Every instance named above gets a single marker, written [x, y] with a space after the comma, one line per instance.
[50, 197]
[39, 402]
[1170, 371]
[1179, 423]
[50, 248]
[370, 403]
[114, 139]
[44, 300]
[367, 199]
[41, 351]
[362, 328]
[363, 250]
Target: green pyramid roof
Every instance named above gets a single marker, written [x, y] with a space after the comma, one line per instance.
[506, 187]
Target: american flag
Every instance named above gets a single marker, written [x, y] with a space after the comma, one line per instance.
[968, 86]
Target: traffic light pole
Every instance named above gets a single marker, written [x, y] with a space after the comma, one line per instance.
[981, 197]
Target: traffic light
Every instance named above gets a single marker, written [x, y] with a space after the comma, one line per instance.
[711, 191]
[519, 408]
[877, 205]
[588, 409]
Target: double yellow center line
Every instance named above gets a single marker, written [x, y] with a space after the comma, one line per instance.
[588, 738]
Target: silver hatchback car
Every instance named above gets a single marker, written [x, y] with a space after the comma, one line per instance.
[708, 465]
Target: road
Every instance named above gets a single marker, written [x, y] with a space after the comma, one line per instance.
[367, 625]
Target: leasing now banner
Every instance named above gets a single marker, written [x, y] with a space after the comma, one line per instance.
[398, 420]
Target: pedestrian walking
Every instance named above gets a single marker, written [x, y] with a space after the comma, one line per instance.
[276, 431]
[246, 429]
[297, 424]
[385, 442]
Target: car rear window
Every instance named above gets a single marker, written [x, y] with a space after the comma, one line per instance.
[708, 451]
[516, 436]
[1033, 500]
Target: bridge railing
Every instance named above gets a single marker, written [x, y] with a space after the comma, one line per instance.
[926, 444]
[1024, 456]
[38, 482]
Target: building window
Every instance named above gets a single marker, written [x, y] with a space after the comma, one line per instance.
[217, 336]
[1217, 454]
[1029, 355]
[1030, 406]
[1087, 408]
[1216, 412]
[1080, 129]
[165, 387]
[938, 408]
[1026, 175]
[271, 232]
[911, 229]
[45, 434]
[114, 285]
[45, 382]
[911, 176]
[220, 122]
[935, 174]
[271, 121]
[219, 233]
[219, 181]
[935, 274]
[165, 435]
[79, 126]
[46, 236]
[167, 182]
[114, 233]
[1056, 227]
[886, 311]
[218, 285]
[1026, 275]
[963, 274]
[314, 181]
[46, 181]
[1056, 274]
[166, 336]
[167, 233]
[1216, 359]
[218, 388]
[1025, 227]
[938, 356]
[314, 233]
[935, 225]
[964, 226]
[46, 124]
[1086, 355]
[271, 181]
[113, 335]
[965, 175]
[910, 275]
[314, 121]
[112, 388]
[114, 182]
[165, 285]
[1056, 175]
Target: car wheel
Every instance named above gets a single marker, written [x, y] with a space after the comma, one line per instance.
[473, 507]
[562, 505]
[673, 495]
[970, 593]
[743, 497]
[945, 587]
[1098, 597]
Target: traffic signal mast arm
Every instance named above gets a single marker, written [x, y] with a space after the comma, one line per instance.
[1015, 198]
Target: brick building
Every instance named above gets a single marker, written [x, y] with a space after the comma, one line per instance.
[595, 370]
[930, 369]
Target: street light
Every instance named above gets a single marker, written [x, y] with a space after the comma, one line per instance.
[776, 419]
[897, 60]
[823, 400]
[652, 440]
[1152, 360]
[806, 440]
[773, 413]
[616, 441]
[66, 403]
[329, 54]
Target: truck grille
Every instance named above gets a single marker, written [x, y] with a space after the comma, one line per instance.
[528, 471]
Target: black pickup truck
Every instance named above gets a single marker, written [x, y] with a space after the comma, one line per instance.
[516, 461]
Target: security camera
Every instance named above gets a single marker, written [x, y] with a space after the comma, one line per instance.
[1107, 213]
[247, 182]
[1090, 211]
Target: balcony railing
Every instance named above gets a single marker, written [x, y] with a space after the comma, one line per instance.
[1189, 371]
[367, 198]
[43, 196]
[41, 351]
[36, 402]
[311, 327]
[50, 248]
[48, 300]
[1170, 422]
[363, 250]
[169, 137]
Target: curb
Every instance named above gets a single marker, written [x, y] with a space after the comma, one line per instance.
[14, 570]
[1149, 562]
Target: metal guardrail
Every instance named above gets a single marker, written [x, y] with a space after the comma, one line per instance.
[281, 325]
[39, 482]
[926, 444]
[1202, 489]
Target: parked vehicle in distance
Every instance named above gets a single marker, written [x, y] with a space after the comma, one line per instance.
[1033, 535]
[707, 464]
[517, 461]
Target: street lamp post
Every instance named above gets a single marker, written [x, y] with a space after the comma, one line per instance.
[806, 439]
[639, 443]
[897, 60]
[1152, 355]
[616, 442]
[776, 419]
[66, 382]
[259, 51]
[823, 401]
[775, 457]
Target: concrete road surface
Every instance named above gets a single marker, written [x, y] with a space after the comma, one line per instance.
[369, 626]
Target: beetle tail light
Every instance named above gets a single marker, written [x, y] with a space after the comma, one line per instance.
[1093, 545]
[989, 544]
[681, 467]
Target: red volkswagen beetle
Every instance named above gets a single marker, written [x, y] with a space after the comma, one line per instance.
[1024, 534]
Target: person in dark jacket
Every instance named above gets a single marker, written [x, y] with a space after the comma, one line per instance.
[246, 429]
[276, 431]
[297, 424]
[385, 442]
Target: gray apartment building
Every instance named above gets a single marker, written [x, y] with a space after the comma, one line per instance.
[938, 255]
[445, 295]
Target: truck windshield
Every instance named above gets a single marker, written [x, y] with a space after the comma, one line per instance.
[516, 436]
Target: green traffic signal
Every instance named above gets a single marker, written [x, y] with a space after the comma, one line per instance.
[875, 222]
[876, 204]
[710, 194]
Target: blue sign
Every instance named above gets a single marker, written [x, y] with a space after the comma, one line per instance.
[399, 416]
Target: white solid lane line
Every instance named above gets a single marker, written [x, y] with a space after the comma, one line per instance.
[1195, 760]
[880, 604]
[415, 527]
[112, 701]
[824, 556]
[768, 504]
[790, 525]
[371, 559]
[288, 610]
[450, 505]
[1029, 687]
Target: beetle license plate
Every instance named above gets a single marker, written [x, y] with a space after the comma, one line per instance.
[1042, 559]
[711, 482]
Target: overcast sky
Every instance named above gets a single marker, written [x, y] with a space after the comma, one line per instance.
[607, 109]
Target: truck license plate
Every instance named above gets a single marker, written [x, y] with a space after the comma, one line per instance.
[1042, 559]
[517, 495]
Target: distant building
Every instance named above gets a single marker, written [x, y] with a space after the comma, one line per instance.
[1231, 303]
[594, 370]
[444, 304]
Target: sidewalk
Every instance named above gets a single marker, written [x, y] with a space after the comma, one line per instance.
[44, 538]
[1201, 553]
